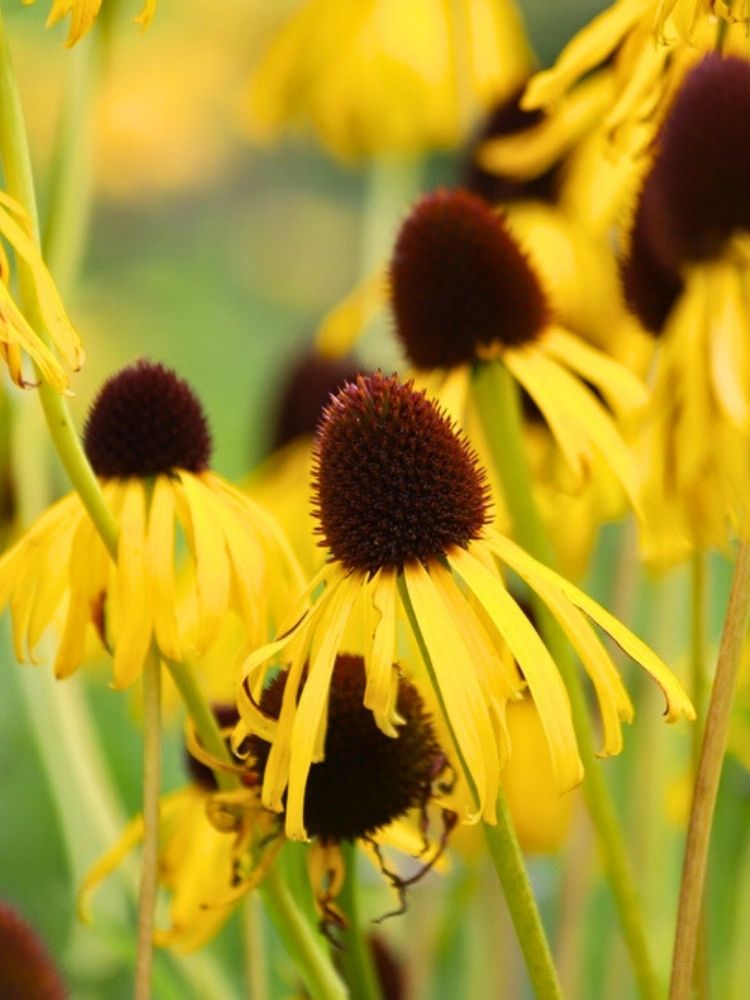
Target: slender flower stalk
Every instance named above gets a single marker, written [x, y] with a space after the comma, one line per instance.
[151, 789]
[356, 957]
[699, 593]
[709, 773]
[508, 862]
[499, 411]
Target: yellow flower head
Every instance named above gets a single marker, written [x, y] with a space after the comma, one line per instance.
[217, 846]
[463, 292]
[148, 441]
[403, 510]
[17, 337]
[83, 14]
[388, 76]
[686, 276]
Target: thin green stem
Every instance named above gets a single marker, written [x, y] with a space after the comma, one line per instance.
[357, 962]
[496, 396]
[203, 718]
[301, 941]
[698, 594]
[254, 952]
[151, 790]
[504, 851]
[709, 772]
[14, 152]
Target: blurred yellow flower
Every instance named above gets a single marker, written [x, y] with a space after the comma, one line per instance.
[387, 76]
[17, 337]
[83, 14]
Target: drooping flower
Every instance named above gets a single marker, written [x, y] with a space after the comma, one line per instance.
[387, 76]
[17, 337]
[148, 442]
[464, 293]
[403, 510]
[83, 14]
[369, 789]
[685, 274]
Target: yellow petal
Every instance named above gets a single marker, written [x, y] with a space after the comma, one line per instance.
[211, 559]
[160, 563]
[614, 703]
[588, 49]
[308, 731]
[460, 693]
[382, 677]
[530, 570]
[131, 588]
[542, 676]
[345, 323]
[620, 386]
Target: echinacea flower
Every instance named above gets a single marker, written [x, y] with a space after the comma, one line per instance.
[685, 274]
[148, 442]
[387, 76]
[464, 293]
[83, 14]
[403, 510]
[17, 336]
[369, 789]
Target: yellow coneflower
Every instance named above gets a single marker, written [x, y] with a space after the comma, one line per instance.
[685, 273]
[26, 967]
[464, 293]
[217, 846]
[148, 442]
[403, 510]
[83, 14]
[388, 76]
[17, 337]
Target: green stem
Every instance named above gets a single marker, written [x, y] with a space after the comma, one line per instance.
[356, 957]
[203, 718]
[254, 953]
[303, 943]
[707, 781]
[151, 790]
[496, 396]
[504, 851]
[701, 976]
[14, 152]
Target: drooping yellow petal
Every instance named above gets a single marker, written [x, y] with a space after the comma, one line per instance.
[620, 386]
[382, 677]
[581, 410]
[160, 565]
[87, 579]
[614, 702]
[728, 329]
[530, 570]
[587, 50]
[131, 588]
[308, 731]
[342, 327]
[212, 577]
[461, 696]
[542, 676]
[530, 152]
